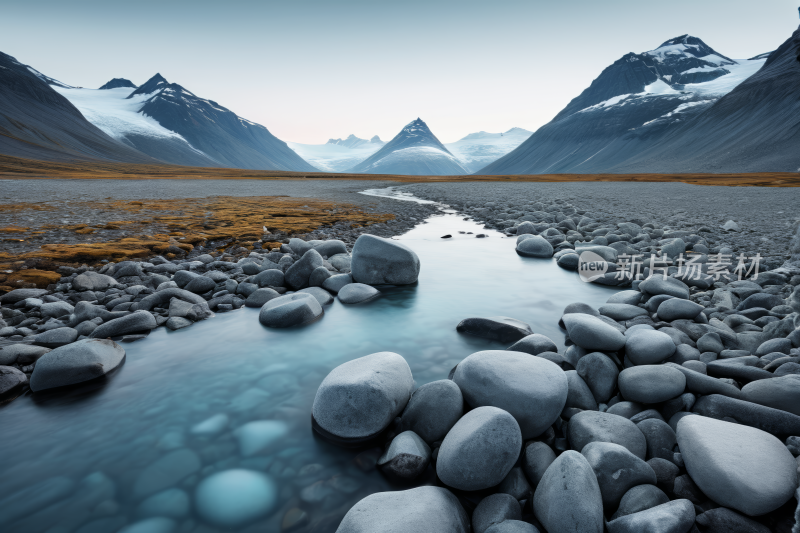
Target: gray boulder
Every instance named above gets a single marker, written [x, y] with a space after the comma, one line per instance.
[779, 393]
[299, 246]
[591, 333]
[359, 398]
[433, 410]
[568, 497]
[480, 450]
[774, 421]
[496, 328]
[269, 278]
[357, 293]
[176, 322]
[676, 516]
[657, 284]
[677, 308]
[535, 246]
[651, 383]
[493, 510]
[630, 297]
[660, 438]
[11, 381]
[622, 312]
[259, 297]
[724, 520]
[56, 337]
[162, 299]
[135, 322]
[318, 276]
[739, 467]
[17, 295]
[698, 383]
[80, 361]
[532, 389]
[22, 354]
[290, 310]
[534, 344]
[593, 426]
[194, 312]
[335, 283]
[600, 374]
[297, 275]
[648, 347]
[420, 509]
[516, 484]
[710, 342]
[640, 498]
[513, 526]
[536, 459]
[579, 395]
[92, 281]
[406, 457]
[378, 261]
[322, 296]
[617, 470]
[56, 309]
[200, 285]
[331, 248]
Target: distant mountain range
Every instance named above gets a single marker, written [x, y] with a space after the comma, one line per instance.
[354, 142]
[682, 107]
[477, 150]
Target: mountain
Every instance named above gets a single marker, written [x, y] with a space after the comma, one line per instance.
[354, 142]
[330, 157]
[36, 122]
[630, 108]
[116, 83]
[414, 151]
[477, 150]
[170, 123]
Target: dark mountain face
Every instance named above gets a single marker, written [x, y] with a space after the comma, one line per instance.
[38, 123]
[222, 136]
[413, 151]
[117, 83]
[632, 106]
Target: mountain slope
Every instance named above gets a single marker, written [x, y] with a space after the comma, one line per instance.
[628, 109]
[170, 123]
[477, 150]
[414, 151]
[38, 123]
[334, 157]
[354, 142]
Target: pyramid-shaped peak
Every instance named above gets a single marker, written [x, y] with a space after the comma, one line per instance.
[152, 85]
[116, 83]
[688, 45]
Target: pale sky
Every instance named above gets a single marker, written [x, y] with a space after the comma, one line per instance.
[310, 70]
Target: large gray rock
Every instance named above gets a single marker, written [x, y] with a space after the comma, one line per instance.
[568, 498]
[535, 246]
[406, 457]
[617, 470]
[779, 393]
[678, 308]
[299, 246]
[23, 354]
[737, 466]
[335, 283]
[651, 383]
[493, 510]
[11, 381]
[660, 438]
[322, 296]
[579, 395]
[331, 248]
[433, 410]
[135, 322]
[698, 383]
[17, 295]
[532, 389]
[480, 450]
[56, 309]
[200, 285]
[75, 363]
[417, 510]
[648, 347]
[657, 284]
[629, 297]
[56, 337]
[536, 459]
[378, 261]
[357, 293]
[318, 276]
[496, 328]
[640, 498]
[622, 312]
[513, 526]
[676, 516]
[774, 421]
[290, 310]
[600, 374]
[591, 333]
[593, 426]
[181, 309]
[162, 299]
[359, 399]
[269, 278]
[92, 281]
[724, 520]
[259, 297]
[297, 275]
[534, 344]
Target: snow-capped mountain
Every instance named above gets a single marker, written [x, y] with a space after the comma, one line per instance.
[414, 151]
[334, 157]
[170, 123]
[629, 108]
[116, 83]
[36, 122]
[477, 150]
[354, 142]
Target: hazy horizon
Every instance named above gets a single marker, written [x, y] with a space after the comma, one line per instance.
[311, 70]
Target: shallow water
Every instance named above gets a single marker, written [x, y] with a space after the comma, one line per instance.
[82, 460]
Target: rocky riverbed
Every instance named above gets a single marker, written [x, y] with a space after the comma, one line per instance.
[672, 407]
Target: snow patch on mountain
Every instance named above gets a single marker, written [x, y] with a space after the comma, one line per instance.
[477, 150]
[334, 157]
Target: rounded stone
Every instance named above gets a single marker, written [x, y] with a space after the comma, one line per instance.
[11, 380]
[737, 466]
[535, 246]
[591, 333]
[677, 308]
[433, 410]
[378, 261]
[640, 498]
[233, 498]
[536, 458]
[651, 383]
[780, 393]
[593, 426]
[513, 526]
[290, 310]
[534, 344]
[75, 363]
[406, 457]
[322, 296]
[480, 450]
[133, 323]
[420, 509]
[357, 293]
[676, 516]
[568, 497]
[532, 389]
[92, 281]
[648, 347]
[359, 399]
[600, 374]
[493, 510]
[622, 312]
[660, 438]
[269, 278]
[579, 395]
[259, 297]
[497, 328]
[335, 283]
[617, 470]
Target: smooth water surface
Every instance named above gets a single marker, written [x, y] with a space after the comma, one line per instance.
[85, 460]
